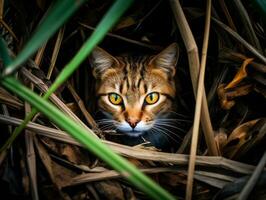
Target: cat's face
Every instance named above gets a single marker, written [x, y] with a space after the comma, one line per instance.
[135, 93]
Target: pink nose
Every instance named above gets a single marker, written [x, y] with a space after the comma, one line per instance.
[132, 122]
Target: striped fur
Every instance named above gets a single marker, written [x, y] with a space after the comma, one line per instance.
[133, 78]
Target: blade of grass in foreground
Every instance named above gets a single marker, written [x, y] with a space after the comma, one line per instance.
[56, 16]
[92, 143]
[115, 12]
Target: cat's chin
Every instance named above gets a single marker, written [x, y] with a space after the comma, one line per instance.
[134, 133]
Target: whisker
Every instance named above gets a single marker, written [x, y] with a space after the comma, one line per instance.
[169, 125]
[173, 120]
[168, 136]
[165, 129]
[179, 114]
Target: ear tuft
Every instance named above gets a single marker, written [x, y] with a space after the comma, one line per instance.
[101, 61]
[167, 59]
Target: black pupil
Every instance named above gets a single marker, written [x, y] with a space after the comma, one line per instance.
[151, 97]
[116, 97]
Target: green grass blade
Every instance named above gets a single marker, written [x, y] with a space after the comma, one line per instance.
[106, 23]
[4, 53]
[92, 143]
[55, 17]
[115, 12]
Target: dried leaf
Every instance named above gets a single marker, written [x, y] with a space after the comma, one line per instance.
[221, 139]
[226, 96]
[240, 75]
[239, 137]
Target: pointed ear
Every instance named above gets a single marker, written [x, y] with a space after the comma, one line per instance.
[167, 59]
[101, 61]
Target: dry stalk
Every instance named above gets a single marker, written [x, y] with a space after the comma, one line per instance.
[1, 10]
[9, 29]
[3, 22]
[253, 179]
[200, 91]
[247, 25]
[82, 107]
[227, 14]
[39, 55]
[10, 100]
[43, 87]
[4, 153]
[194, 72]
[57, 46]
[31, 158]
[137, 153]
[241, 40]
[217, 180]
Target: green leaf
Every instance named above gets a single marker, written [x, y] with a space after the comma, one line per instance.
[55, 17]
[92, 143]
[111, 17]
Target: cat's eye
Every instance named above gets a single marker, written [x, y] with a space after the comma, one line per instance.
[152, 98]
[115, 99]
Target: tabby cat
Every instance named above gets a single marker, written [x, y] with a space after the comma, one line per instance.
[136, 94]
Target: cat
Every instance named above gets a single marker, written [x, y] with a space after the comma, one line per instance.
[137, 95]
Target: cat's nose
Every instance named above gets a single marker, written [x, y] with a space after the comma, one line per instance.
[132, 122]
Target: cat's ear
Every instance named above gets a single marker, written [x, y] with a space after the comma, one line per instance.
[101, 61]
[166, 60]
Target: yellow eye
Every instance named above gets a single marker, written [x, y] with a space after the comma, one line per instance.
[152, 98]
[115, 99]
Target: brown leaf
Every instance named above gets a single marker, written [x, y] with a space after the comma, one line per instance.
[221, 139]
[226, 97]
[240, 75]
[239, 137]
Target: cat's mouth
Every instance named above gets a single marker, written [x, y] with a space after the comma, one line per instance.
[134, 133]
[138, 130]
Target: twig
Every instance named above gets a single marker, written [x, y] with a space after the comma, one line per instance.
[194, 71]
[241, 40]
[253, 179]
[200, 90]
